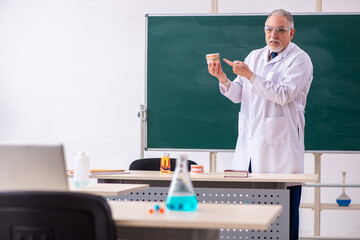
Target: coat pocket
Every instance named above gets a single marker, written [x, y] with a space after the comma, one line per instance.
[277, 130]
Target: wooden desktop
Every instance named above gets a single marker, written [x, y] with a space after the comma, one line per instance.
[133, 220]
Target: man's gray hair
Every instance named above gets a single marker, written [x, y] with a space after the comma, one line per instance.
[282, 12]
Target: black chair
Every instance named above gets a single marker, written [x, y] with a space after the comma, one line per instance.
[36, 215]
[153, 164]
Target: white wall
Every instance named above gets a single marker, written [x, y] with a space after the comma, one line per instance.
[72, 71]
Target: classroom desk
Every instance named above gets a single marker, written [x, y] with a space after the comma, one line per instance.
[105, 189]
[270, 189]
[254, 178]
[133, 221]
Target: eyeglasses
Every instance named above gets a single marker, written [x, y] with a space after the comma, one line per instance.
[278, 30]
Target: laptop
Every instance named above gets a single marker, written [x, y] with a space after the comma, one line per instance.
[32, 167]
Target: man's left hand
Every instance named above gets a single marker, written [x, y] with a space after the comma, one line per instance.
[240, 68]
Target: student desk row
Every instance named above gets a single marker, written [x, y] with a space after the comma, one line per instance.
[269, 189]
[133, 220]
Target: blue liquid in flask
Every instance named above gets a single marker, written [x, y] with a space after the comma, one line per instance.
[181, 203]
[343, 202]
[181, 196]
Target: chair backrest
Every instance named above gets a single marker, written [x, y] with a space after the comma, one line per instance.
[153, 164]
[54, 215]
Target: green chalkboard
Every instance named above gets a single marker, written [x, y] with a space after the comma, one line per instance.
[185, 109]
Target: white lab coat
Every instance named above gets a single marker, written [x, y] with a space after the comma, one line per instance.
[271, 119]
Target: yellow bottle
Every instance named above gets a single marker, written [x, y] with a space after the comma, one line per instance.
[165, 163]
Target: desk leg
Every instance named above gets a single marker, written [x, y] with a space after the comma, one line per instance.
[134, 233]
[212, 162]
[317, 200]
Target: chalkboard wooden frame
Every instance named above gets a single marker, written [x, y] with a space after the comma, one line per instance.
[185, 110]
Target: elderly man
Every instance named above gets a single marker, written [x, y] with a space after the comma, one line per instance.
[272, 86]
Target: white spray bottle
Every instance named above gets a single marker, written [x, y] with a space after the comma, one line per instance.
[81, 170]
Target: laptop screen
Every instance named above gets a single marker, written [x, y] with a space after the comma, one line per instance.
[32, 167]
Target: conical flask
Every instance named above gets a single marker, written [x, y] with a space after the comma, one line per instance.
[343, 200]
[181, 195]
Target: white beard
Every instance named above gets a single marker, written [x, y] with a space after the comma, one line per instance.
[275, 49]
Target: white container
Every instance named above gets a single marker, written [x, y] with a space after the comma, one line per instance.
[212, 58]
[197, 168]
[81, 170]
